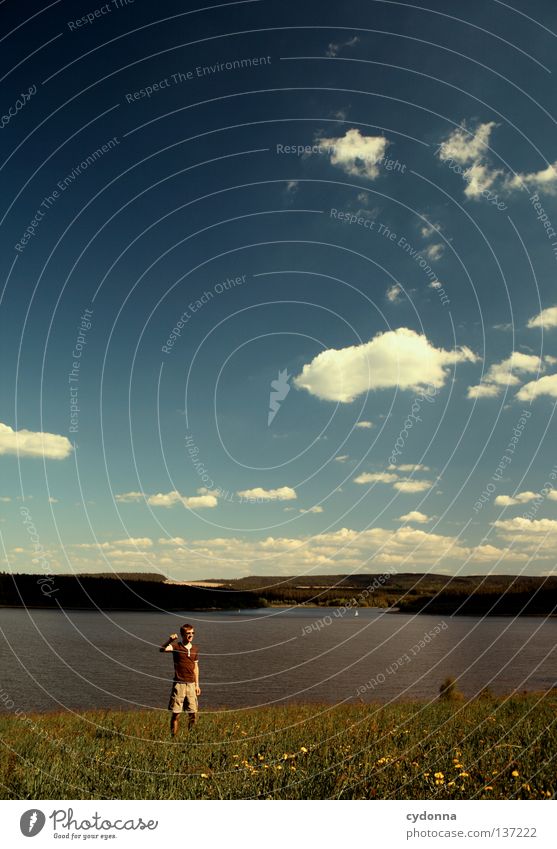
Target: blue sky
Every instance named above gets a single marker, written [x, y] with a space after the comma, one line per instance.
[345, 217]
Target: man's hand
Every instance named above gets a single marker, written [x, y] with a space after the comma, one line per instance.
[172, 638]
[198, 691]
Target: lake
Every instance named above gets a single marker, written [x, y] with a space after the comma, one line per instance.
[80, 660]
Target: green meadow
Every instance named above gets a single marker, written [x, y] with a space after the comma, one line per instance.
[488, 748]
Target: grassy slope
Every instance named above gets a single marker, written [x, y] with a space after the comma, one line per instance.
[292, 752]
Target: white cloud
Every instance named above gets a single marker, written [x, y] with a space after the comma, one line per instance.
[283, 493]
[342, 458]
[506, 373]
[415, 516]
[169, 499]
[544, 180]
[429, 229]
[376, 477]
[435, 252]
[334, 47]
[520, 531]
[544, 386]
[315, 509]
[479, 179]
[393, 293]
[397, 358]
[5, 499]
[484, 390]
[52, 500]
[465, 147]
[355, 154]
[409, 467]
[207, 498]
[470, 151]
[292, 186]
[519, 498]
[402, 484]
[28, 443]
[546, 318]
[409, 486]
[125, 497]
[364, 425]
[134, 542]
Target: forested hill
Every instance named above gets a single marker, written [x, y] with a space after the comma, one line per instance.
[477, 595]
[411, 592]
[116, 592]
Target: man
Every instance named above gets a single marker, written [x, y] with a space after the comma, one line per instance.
[185, 688]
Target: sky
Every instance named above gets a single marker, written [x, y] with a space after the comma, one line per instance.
[278, 288]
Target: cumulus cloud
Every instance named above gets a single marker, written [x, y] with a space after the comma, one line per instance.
[317, 508]
[355, 154]
[364, 425]
[428, 230]
[469, 151]
[546, 385]
[511, 500]
[464, 146]
[335, 47]
[393, 293]
[376, 477]
[435, 252]
[397, 358]
[207, 498]
[415, 516]
[547, 319]
[283, 493]
[127, 497]
[506, 373]
[169, 499]
[521, 530]
[134, 542]
[409, 486]
[402, 484]
[409, 467]
[544, 180]
[28, 443]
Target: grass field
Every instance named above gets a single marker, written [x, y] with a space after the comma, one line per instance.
[487, 749]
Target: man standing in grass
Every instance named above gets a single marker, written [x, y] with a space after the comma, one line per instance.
[185, 688]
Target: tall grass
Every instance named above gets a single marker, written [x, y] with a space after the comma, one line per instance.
[487, 748]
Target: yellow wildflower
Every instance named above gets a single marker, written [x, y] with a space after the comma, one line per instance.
[515, 773]
[439, 775]
[303, 749]
[204, 775]
[464, 775]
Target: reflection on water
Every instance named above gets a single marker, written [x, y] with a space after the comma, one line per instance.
[80, 659]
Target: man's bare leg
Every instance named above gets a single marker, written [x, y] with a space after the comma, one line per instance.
[192, 719]
[174, 724]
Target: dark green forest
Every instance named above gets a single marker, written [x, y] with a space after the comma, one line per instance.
[483, 595]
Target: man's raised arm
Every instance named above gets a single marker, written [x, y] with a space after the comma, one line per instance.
[167, 646]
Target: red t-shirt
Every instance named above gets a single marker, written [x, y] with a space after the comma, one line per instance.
[184, 663]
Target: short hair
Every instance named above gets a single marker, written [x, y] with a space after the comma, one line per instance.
[187, 627]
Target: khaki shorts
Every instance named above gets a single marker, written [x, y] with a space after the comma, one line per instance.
[183, 697]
